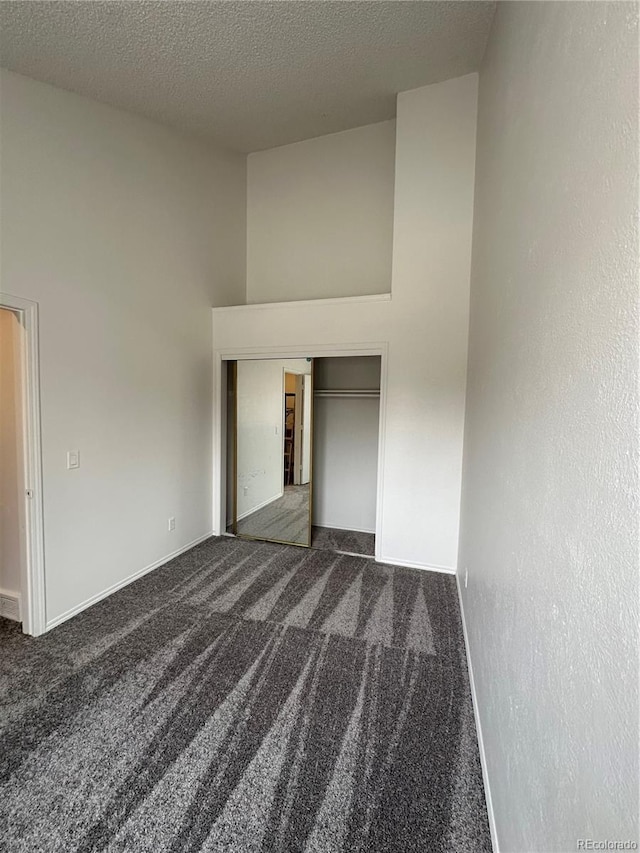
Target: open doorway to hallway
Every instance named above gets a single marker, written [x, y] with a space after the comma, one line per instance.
[13, 543]
[22, 577]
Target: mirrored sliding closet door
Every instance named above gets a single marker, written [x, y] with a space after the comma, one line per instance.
[272, 450]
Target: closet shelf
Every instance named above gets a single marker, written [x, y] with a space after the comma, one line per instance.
[349, 392]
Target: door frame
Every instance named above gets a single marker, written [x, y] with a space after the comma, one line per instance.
[294, 445]
[221, 356]
[298, 427]
[307, 384]
[32, 575]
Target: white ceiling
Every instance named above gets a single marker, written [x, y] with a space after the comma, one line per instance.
[250, 75]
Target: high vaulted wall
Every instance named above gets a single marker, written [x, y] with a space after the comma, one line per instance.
[320, 216]
[126, 233]
[423, 327]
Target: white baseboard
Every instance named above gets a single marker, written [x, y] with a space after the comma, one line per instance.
[10, 605]
[353, 554]
[408, 564]
[342, 527]
[94, 599]
[260, 506]
[474, 699]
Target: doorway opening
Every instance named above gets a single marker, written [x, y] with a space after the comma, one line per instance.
[298, 396]
[21, 532]
[13, 544]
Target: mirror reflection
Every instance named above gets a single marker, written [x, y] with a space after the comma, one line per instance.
[274, 399]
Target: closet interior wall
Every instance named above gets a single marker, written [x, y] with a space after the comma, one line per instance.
[345, 453]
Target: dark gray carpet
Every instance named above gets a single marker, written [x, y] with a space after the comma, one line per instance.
[248, 698]
[332, 539]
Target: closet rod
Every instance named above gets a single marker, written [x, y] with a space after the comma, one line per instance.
[351, 392]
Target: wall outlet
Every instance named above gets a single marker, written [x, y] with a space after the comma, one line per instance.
[10, 606]
[466, 577]
[172, 523]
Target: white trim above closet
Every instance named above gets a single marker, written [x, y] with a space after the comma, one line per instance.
[302, 303]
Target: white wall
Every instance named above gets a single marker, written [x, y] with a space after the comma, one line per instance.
[12, 519]
[424, 325]
[550, 525]
[320, 216]
[260, 447]
[125, 232]
[345, 433]
[433, 215]
[354, 372]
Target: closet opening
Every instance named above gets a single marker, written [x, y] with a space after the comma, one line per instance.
[302, 450]
[345, 453]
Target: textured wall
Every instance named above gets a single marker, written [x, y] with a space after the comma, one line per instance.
[549, 524]
[125, 232]
[320, 216]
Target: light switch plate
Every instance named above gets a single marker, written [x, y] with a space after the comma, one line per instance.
[73, 459]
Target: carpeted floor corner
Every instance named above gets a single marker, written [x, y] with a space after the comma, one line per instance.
[247, 698]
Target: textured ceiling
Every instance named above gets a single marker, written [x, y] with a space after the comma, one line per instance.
[249, 75]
